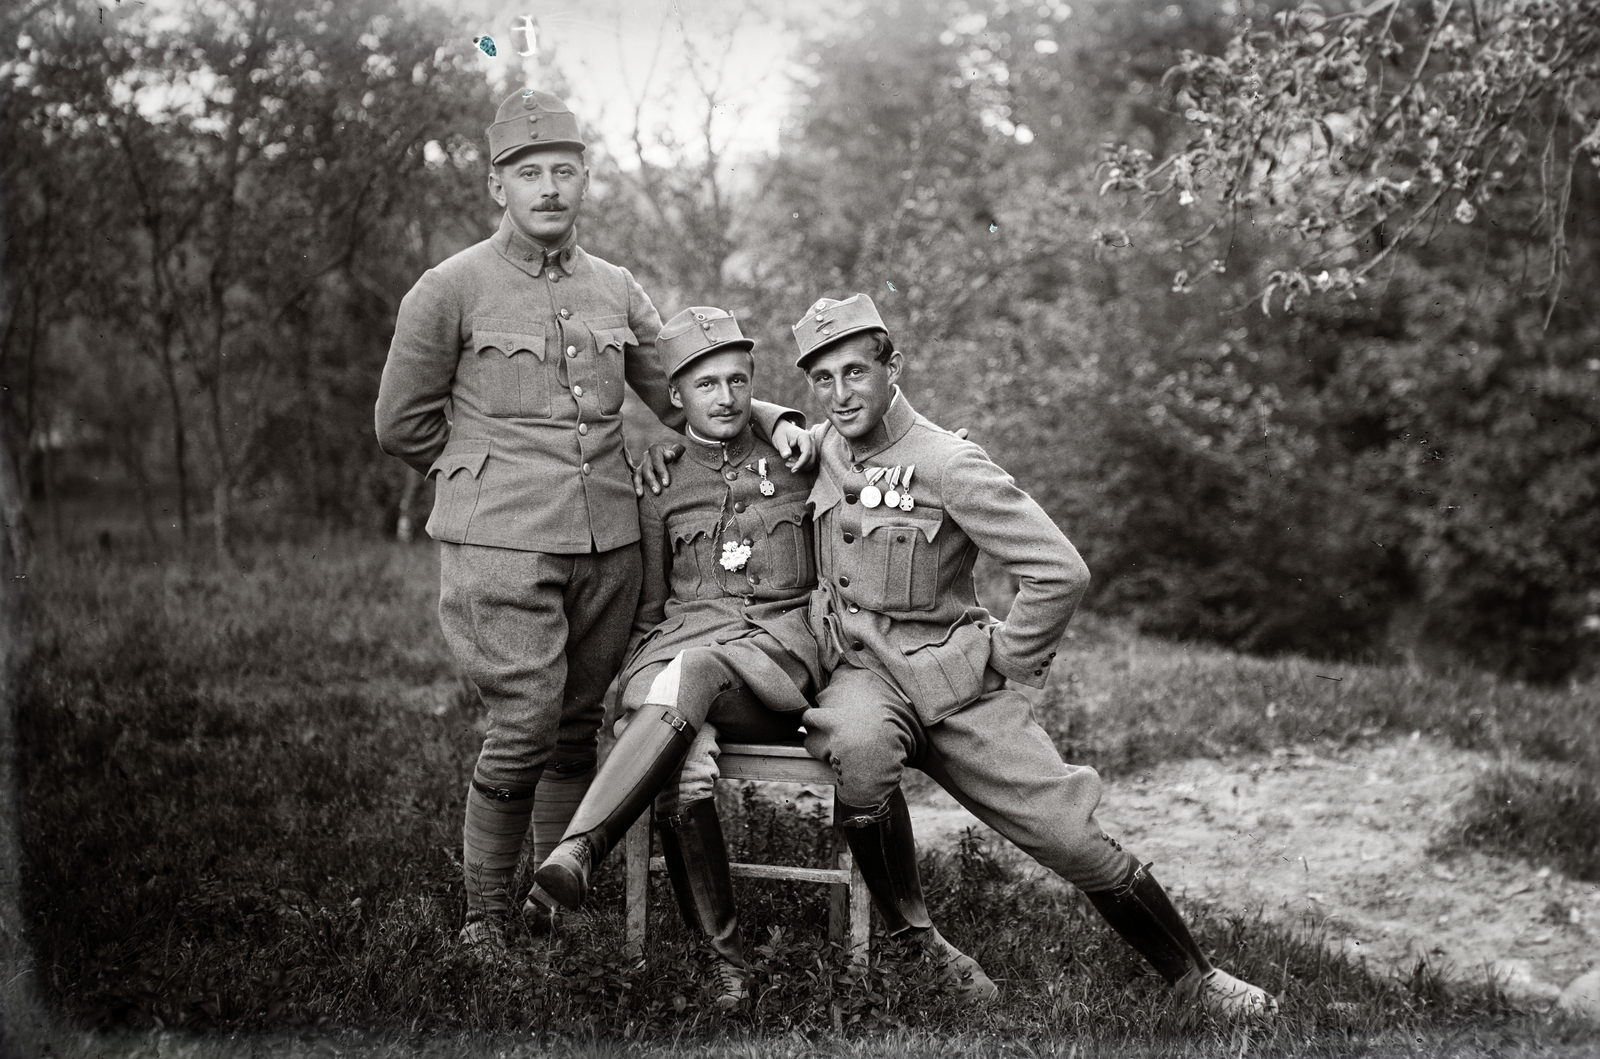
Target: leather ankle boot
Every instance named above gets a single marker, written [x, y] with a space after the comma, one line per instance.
[646, 756]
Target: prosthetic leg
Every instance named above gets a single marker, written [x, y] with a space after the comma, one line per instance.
[647, 754]
[1139, 910]
[697, 863]
[885, 849]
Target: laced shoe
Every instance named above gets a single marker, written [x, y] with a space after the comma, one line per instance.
[540, 914]
[965, 975]
[1225, 997]
[483, 937]
[731, 985]
[564, 875]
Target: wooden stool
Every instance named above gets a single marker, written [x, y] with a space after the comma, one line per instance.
[850, 903]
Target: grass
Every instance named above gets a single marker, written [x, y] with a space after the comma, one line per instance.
[241, 800]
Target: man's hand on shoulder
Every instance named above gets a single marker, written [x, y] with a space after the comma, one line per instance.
[652, 470]
[795, 445]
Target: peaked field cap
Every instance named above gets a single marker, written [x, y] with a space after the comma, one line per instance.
[532, 119]
[830, 320]
[695, 332]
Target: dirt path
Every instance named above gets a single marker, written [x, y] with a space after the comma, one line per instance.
[1340, 842]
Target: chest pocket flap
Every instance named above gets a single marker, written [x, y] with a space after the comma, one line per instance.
[686, 529]
[774, 515]
[525, 340]
[612, 331]
[925, 520]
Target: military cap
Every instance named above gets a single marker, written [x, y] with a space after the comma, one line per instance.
[830, 320]
[696, 331]
[532, 119]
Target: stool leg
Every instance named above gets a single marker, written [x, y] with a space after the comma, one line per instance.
[637, 851]
[850, 901]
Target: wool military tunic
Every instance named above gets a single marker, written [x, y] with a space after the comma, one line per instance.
[896, 594]
[505, 383]
[690, 597]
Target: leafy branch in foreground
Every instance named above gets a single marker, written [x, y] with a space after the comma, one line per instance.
[1362, 132]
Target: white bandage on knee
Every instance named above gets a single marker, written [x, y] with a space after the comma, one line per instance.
[664, 689]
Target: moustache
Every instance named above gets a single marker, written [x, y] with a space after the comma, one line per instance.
[550, 207]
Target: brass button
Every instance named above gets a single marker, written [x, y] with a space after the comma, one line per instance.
[854, 609]
[587, 469]
[849, 538]
[554, 276]
[732, 476]
[755, 579]
[572, 351]
[857, 645]
[857, 468]
[577, 391]
[849, 498]
[583, 428]
[844, 582]
[1038, 672]
[899, 538]
[738, 508]
[564, 313]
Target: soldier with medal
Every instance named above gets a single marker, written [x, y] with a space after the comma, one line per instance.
[918, 671]
[723, 649]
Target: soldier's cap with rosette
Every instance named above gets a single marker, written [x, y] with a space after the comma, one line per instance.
[532, 119]
[695, 332]
[830, 319]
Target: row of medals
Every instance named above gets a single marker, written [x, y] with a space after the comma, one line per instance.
[898, 491]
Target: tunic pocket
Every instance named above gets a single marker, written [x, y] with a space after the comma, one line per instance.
[612, 336]
[899, 569]
[949, 673]
[694, 556]
[783, 557]
[516, 381]
[457, 480]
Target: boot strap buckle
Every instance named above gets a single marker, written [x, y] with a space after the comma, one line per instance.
[678, 724]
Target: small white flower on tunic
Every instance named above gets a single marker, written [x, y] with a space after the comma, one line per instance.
[734, 555]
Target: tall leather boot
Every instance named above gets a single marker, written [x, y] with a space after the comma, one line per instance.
[885, 849]
[697, 863]
[646, 756]
[1140, 910]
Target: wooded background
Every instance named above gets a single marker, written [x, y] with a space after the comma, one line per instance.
[1288, 315]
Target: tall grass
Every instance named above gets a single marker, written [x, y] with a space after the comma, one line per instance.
[242, 796]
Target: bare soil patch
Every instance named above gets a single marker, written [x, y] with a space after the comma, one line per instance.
[1337, 841]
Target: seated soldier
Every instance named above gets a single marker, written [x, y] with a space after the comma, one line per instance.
[917, 669]
[724, 649]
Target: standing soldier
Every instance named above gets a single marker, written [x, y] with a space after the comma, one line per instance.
[919, 668]
[504, 384]
[724, 649]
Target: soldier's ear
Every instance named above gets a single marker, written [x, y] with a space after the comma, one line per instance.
[674, 396]
[497, 190]
[893, 365]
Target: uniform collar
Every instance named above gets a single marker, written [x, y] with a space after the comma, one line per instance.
[896, 421]
[529, 255]
[714, 454]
